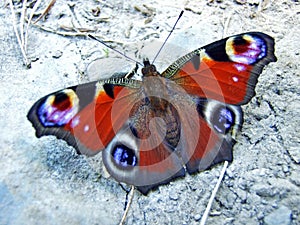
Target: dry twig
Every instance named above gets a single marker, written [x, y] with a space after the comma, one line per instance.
[36, 5]
[226, 25]
[131, 193]
[21, 37]
[45, 12]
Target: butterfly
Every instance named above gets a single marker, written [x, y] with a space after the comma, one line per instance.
[153, 130]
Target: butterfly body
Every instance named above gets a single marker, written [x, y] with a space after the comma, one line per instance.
[153, 130]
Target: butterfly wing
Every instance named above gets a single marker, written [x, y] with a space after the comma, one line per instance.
[226, 70]
[218, 124]
[145, 164]
[81, 115]
[221, 76]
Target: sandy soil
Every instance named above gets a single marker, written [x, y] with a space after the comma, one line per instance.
[43, 181]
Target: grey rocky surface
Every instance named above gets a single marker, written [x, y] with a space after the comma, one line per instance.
[43, 181]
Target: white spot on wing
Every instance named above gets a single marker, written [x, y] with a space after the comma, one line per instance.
[240, 67]
[86, 128]
[75, 121]
[68, 116]
[56, 116]
[235, 79]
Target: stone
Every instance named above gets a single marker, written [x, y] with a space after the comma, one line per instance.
[280, 216]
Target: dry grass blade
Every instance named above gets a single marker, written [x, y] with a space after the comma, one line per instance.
[79, 29]
[20, 38]
[36, 5]
[226, 25]
[48, 8]
[22, 20]
[131, 193]
[70, 31]
[213, 194]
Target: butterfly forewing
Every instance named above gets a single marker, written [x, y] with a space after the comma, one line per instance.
[226, 70]
[82, 115]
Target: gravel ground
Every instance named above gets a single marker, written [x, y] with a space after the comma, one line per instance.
[43, 181]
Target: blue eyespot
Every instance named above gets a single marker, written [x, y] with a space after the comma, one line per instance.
[223, 120]
[50, 116]
[58, 109]
[246, 49]
[124, 157]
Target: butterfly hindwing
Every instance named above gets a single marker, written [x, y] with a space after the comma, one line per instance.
[143, 163]
[226, 70]
[219, 124]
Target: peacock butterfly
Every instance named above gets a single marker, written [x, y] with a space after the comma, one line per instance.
[153, 130]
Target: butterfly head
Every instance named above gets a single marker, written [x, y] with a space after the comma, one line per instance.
[149, 69]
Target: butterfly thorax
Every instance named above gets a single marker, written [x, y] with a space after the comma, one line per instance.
[154, 86]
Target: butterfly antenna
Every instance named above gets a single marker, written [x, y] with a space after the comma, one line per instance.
[180, 15]
[121, 53]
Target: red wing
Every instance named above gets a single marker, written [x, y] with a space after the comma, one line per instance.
[211, 148]
[158, 165]
[85, 116]
[226, 70]
[207, 139]
[144, 163]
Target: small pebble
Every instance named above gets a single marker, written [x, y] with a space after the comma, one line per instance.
[173, 196]
[280, 216]
[285, 168]
[197, 217]
[241, 1]
[57, 54]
